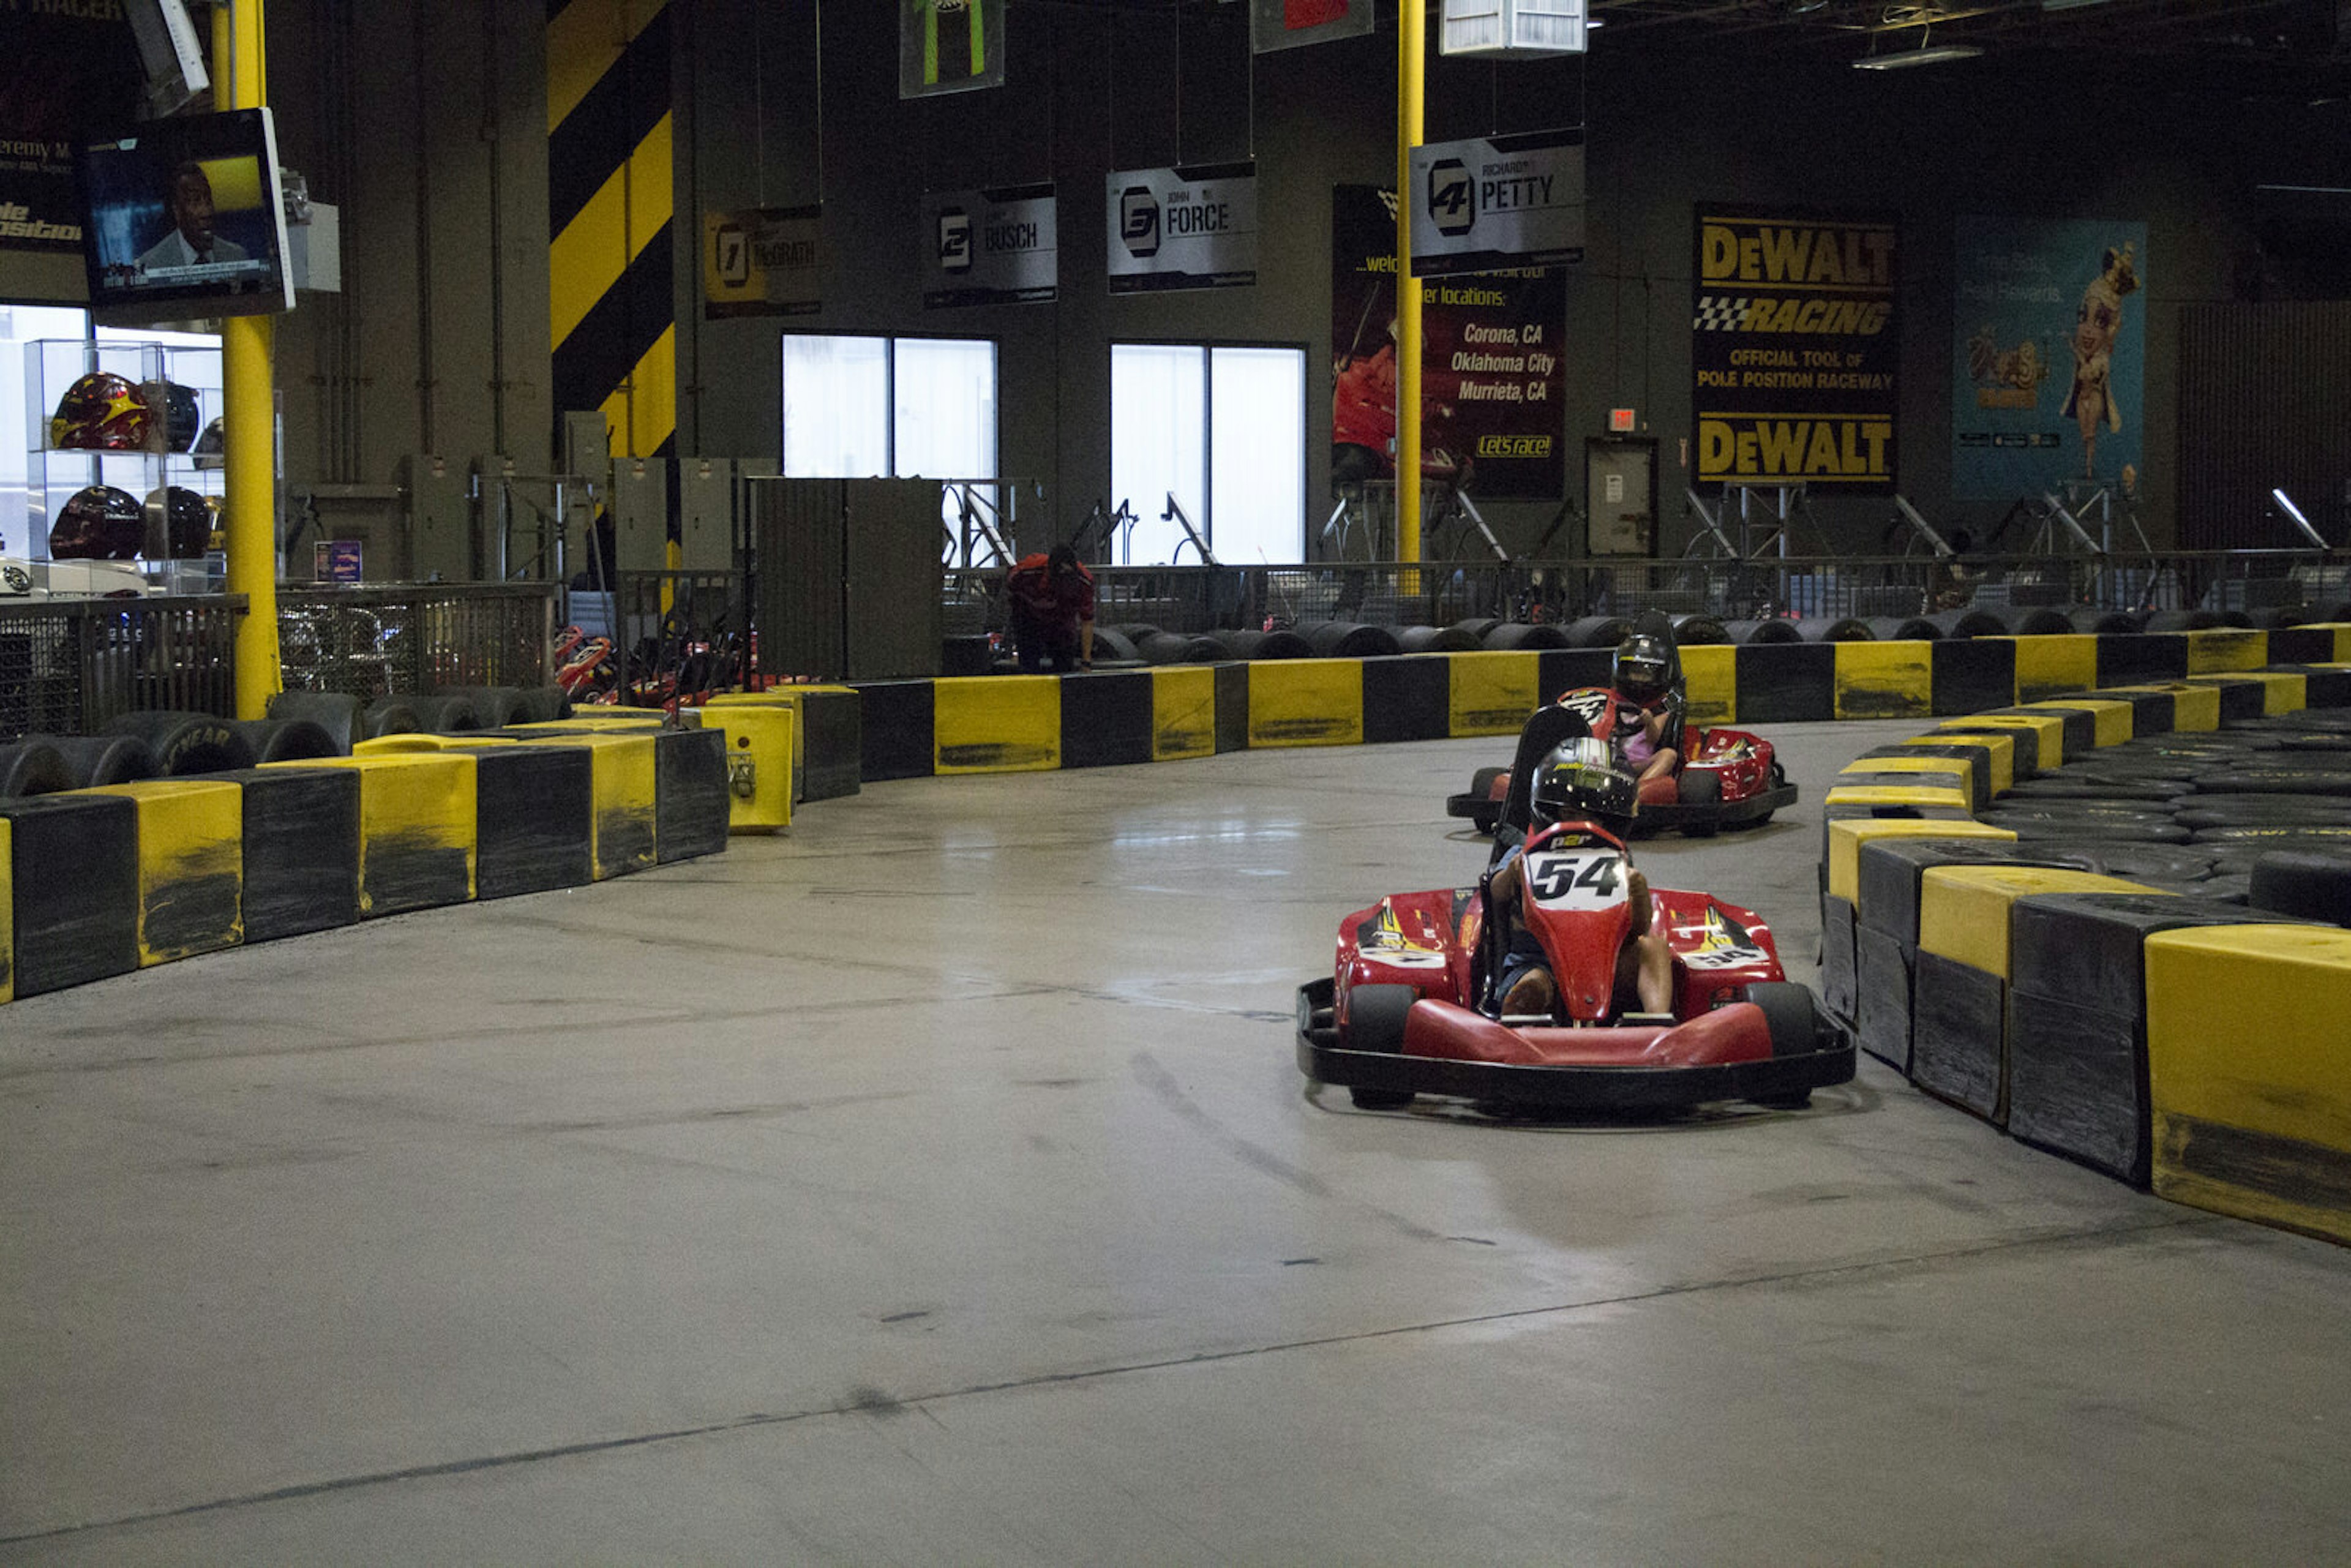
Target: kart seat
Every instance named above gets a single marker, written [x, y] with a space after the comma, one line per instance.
[1545, 730]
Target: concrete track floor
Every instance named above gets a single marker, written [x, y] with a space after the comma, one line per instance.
[935, 1186]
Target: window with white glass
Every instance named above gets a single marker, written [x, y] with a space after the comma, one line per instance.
[1221, 432]
[858, 408]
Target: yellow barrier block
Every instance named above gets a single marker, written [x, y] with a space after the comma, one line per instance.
[759, 744]
[2047, 665]
[2210, 653]
[1710, 671]
[1885, 680]
[623, 781]
[1883, 795]
[2249, 1073]
[2003, 750]
[2051, 731]
[996, 724]
[417, 823]
[1963, 909]
[1306, 702]
[1183, 712]
[191, 867]
[1957, 772]
[1848, 836]
[2282, 691]
[2194, 709]
[592, 721]
[787, 697]
[7, 913]
[1492, 694]
[2112, 720]
[415, 744]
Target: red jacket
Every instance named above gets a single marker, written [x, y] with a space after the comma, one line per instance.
[1042, 601]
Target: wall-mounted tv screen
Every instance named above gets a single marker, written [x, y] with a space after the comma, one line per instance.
[185, 218]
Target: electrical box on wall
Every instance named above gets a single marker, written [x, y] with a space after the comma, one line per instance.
[639, 506]
[1500, 29]
[705, 515]
[440, 519]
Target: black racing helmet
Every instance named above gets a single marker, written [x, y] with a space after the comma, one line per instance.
[1643, 669]
[182, 418]
[1580, 778]
[100, 523]
[188, 521]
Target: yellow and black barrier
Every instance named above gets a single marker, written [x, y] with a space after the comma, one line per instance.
[191, 838]
[416, 828]
[301, 833]
[624, 784]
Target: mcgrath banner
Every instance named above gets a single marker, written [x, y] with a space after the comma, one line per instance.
[1183, 228]
[1287, 24]
[949, 45]
[2048, 354]
[762, 261]
[1794, 349]
[990, 248]
[1512, 201]
[1490, 376]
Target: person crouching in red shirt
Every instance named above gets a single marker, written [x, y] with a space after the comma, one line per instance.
[1052, 607]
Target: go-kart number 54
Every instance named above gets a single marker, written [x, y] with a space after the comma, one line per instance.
[1589, 881]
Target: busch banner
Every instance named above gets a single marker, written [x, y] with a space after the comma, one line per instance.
[1183, 228]
[1285, 24]
[990, 248]
[949, 45]
[762, 261]
[1512, 201]
[2048, 353]
[1490, 376]
[1794, 350]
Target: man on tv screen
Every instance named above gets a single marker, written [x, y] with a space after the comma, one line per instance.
[192, 241]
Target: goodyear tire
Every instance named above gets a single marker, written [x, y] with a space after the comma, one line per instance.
[391, 716]
[186, 744]
[1902, 628]
[1111, 646]
[1699, 632]
[1970, 624]
[1754, 633]
[335, 712]
[1598, 631]
[1515, 636]
[2039, 620]
[494, 706]
[1350, 640]
[286, 740]
[1475, 628]
[1834, 629]
[95, 761]
[1435, 640]
[1375, 1019]
[448, 714]
[544, 705]
[31, 767]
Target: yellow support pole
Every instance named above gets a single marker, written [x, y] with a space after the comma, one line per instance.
[1412, 39]
[249, 423]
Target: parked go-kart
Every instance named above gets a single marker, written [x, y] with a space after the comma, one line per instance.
[1414, 1004]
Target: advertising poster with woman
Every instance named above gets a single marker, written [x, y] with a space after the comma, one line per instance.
[2049, 353]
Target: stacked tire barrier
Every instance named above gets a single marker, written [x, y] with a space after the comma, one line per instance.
[2116, 923]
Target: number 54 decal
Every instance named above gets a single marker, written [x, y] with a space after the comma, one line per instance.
[1589, 881]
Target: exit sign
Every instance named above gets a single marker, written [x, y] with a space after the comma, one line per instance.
[1620, 421]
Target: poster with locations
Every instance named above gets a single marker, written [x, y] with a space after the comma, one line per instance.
[1794, 350]
[2048, 354]
[1490, 376]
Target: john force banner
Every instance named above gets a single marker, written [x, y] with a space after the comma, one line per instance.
[1183, 228]
[1794, 350]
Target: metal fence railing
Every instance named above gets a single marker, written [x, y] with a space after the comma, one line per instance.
[67, 667]
[413, 637]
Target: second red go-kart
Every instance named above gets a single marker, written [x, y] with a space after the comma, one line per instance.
[1413, 1003]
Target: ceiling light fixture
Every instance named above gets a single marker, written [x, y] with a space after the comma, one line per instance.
[1935, 55]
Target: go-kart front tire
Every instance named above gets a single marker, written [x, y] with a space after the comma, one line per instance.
[1702, 788]
[1790, 1013]
[1376, 1019]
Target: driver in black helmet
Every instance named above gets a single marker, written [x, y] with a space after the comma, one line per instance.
[1567, 785]
[1648, 740]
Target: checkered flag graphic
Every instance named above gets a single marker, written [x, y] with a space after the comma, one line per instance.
[1718, 313]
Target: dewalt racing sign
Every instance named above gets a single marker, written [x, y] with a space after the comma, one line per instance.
[1794, 350]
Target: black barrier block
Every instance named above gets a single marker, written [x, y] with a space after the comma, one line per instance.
[832, 745]
[1232, 708]
[1107, 719]
[2151, 712]
[2321, 688]
[1786, 683]
[1881, 1014]
[1407, 697]
[1896, 781]
[2026, 755]
[1980, 757]
[690, 796]
[75, 872]
[2240, 699]
[2303, 645]
[2147, 656]
[1559, 670]
[900, 721]
[1972, 674]
[1837, 974]
[1888, 871]
[534, 818]
[2088, 949]
[1838, 811]
[2077, 1083]
[2080, 731]
[301, 849]
[1958, 1035]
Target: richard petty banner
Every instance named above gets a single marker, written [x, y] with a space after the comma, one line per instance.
[1490, 376]
[1794, 350]
[1183, 228]
[990, 248]
[1512, 201]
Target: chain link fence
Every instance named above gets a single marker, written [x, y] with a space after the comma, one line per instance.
[67, 667]
[367, 641]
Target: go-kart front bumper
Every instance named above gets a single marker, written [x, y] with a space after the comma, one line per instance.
[1772, 1080]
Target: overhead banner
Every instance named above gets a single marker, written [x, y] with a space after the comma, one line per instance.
[990, 248]
[1794, 350]
[762, 261]
[73, 74]
[1183, 228]
[1287, 24]
[1508, 200]
[2048, 354]
[949, 45]
[1491, 380]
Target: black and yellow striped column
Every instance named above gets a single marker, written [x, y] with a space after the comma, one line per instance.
[611, 186]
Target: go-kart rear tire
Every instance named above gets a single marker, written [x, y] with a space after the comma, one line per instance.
[1790, 1013]
[1481, 783]
[1376, 1019]
[1702, 788]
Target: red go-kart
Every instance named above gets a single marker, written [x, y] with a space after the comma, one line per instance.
[1726, 778]
[1413, 1003]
